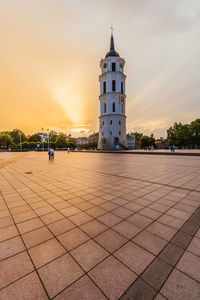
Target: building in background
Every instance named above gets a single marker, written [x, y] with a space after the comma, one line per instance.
[130, 141]
[82, 140]
[93, 139]
[112, 120]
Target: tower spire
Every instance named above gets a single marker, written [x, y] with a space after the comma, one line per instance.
[112, 47]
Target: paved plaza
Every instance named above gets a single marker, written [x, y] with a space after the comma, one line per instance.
[90, 226]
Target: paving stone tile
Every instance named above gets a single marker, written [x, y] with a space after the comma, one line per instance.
[73, 238]
[150, 213]
[162, 230]
[69, 211]
[134, 206]
[134, 257]
[109, 219]
[52, 217]
[59, 274]
[7, 221]
[122, 212]
[11, 247]
[46, 252]
[171, 254]
[194, 246]
[150, 242]
[181, 239]
[139, 290]
[112, 277]
[61, 204]
[156, 273]
[180, 287]
[171, 221]
[61, 226]
[8, 232]
[127, 229]
[89, 254]
[28, 287]
[24, 216]
[110, 240]
[80, 218]
[159, 297]
[83, 289]
[14, 268]
[29, 225]
[190, 265]
[96, 212]
[36, 237]
[4, 213]
[139, 220]
[93, 228]
[179, 214]
[108, 206]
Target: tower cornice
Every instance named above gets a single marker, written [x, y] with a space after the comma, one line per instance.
[112, 93]
[112, 72]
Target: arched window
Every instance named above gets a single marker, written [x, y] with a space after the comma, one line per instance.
[122, 87]
[119, 123]
[104, 108]
[113, 67]
[113, 85]
[104, 87]
[113, 106]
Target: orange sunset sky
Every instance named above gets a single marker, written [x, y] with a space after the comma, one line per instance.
[50, 53]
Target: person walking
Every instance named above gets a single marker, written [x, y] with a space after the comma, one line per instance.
[68, 150]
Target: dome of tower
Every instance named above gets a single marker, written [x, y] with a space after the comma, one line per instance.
[112, 51]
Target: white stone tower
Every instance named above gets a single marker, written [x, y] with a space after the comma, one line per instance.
[112, 120]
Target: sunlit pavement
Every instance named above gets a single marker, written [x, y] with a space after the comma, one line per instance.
[92, 226]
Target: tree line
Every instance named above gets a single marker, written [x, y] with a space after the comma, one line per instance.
[16, 138]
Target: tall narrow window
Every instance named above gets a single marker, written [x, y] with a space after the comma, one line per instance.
[113, 85]
[113, 67]
[113, 108]
[104, 108]
[110, 122]
[119, 123]
[119, 132]
[122, 108]
[110, 132]
[104, 87]
[122, 87]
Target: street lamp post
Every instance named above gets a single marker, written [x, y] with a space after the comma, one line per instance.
[43, 137]
[20, 140]
[48, 138]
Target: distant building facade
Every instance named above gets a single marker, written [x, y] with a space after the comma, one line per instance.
[93, 139]
[112, 120]
[82, 140]
[130, 141]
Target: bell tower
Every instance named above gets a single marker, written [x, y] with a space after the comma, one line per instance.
[112, 120]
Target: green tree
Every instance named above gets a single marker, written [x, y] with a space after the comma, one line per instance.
[15, 135]
[137, 135]
[52, 136]
[144, 141]
[5, 140]
[61, 141]
[35, 138]
[195, 132]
